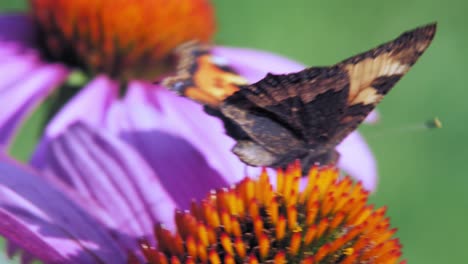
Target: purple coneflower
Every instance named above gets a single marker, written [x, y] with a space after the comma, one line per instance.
[119, 219]
[122, 47]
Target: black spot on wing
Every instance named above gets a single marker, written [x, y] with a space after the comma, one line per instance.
[359, 110]
[232, 129]
[350, 120]
[322, 115]
[383, 84]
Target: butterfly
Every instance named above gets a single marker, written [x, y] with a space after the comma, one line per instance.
[302, 115]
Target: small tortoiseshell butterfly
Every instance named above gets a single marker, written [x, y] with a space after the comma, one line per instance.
[302, 115]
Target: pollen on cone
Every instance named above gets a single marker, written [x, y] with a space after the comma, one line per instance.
[240, 247]
[282, 226]
[292, 217]
[191, 246]
[308, 260]
[310, 234]
[264, 245]
[214, 257]
[295, 243]
[258, 226]
[175, 260]
[280, 258]
[253, 259]
[229, 259]
[226, 243]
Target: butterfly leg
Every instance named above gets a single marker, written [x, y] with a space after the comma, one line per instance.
[323, 159]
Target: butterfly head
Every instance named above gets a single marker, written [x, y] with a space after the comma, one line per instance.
[301, 115]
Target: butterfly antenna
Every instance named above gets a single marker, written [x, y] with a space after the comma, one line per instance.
[430, 124]
[434, 123]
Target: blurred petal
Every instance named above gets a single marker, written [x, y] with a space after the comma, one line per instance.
[30, 243]
[40, 219]
[372, 118]
[13, 250]
[24, 86]
[89, 105]
[357, 160]
[110, 172]
[17, 28]
[185, 147]
[15, 67]
[255, 64]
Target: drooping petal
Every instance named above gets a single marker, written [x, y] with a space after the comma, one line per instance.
[255, 64]
[89, 106]
[357, 160]
[40, 219]
[186, 148]
[25, 83]
[110, 172]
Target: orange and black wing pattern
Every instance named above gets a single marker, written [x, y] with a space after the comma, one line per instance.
[302, 115]
[203, 77]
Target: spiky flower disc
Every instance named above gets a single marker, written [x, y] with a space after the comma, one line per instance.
[121, 38]
[328, 222]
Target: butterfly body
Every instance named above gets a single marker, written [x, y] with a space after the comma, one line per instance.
[302, 115]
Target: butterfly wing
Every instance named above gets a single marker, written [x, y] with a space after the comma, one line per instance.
[318, 107]
[201, 77]
[299, 115]
[372, 74]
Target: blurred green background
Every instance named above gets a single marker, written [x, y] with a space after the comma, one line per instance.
[422, 172]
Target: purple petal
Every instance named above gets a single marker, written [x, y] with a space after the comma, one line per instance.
[186, 147]
[108, 171]
[15, 230]
[15, 67]
[25, 84]
[18, 28]
[89, 106]
[40, 219]
[372, 118]
[357, 160]
[255, 64]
